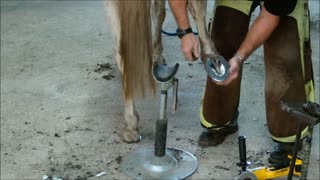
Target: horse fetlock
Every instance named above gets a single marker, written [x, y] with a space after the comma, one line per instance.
[207, 46]
[158, 59]
[131, 131]
[210, 56]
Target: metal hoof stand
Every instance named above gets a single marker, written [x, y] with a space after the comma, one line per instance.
[161, 162]
[144, 164]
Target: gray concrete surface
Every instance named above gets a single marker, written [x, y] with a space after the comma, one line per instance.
[61, 118]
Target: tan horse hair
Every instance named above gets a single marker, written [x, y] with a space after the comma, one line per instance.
[135, 48]
[137, 29]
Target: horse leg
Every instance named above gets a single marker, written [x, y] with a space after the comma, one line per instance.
[158, 15]
[113, 19]
[198, 10]
[130, 132]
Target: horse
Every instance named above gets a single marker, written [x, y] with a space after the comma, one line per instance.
[137, 28]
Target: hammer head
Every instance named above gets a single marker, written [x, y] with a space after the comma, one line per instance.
[298, 110]
[312, 108]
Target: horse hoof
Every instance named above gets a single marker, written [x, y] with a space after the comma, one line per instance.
[131, 136]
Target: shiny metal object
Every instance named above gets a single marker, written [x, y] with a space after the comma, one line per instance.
[143, 164]
[161, 162]
[217, 69]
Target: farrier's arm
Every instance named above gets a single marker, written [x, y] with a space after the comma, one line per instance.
[180, 12]
[259, 32]
[189, 42]
[265, 24]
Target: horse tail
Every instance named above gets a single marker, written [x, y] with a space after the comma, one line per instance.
[135, 48]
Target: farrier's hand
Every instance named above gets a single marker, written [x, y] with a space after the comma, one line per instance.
[190, 47]
[235, 65]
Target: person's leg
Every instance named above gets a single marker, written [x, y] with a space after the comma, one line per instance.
[220, 104]
[288, 76]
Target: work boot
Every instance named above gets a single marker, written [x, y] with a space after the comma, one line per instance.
[212, 137]
[281, 151]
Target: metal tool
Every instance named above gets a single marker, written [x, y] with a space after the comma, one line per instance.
[165, 76]
[161, 162]
[307, 113]
[217, 69]
[242, 153]
[271, 172]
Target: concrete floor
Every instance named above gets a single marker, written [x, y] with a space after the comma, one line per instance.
[61, 118]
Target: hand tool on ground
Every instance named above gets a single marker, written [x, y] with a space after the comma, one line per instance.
[307, 112]
[270, 172]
